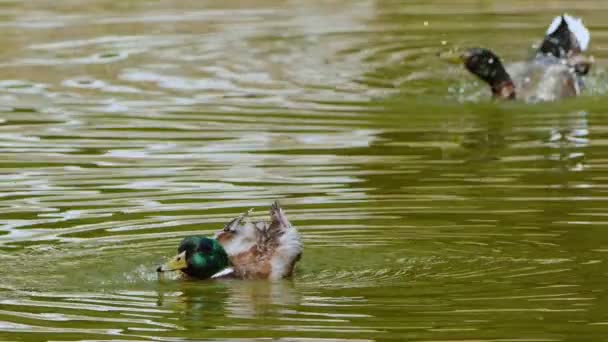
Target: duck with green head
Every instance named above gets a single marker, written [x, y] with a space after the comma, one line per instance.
[198, 257]
[243, 249]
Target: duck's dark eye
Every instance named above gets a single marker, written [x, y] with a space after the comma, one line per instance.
[179, 258]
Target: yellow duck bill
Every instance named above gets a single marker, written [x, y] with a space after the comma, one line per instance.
[176, 263]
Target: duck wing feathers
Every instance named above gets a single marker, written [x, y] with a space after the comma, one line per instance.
[544, 80]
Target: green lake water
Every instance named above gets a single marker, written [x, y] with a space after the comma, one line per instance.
[428, 212]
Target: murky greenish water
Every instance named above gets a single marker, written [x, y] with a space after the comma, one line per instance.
[428, 212]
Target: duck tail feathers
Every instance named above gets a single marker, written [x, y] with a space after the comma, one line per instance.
[574, 25]
[278, 216]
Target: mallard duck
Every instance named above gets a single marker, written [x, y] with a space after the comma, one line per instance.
[242, 249]
[555, 72]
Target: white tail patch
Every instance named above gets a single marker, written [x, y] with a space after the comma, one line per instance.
[576, 26]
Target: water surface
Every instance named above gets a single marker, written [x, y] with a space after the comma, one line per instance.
[428, 212]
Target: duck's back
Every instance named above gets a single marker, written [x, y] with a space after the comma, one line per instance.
[543, 79]
[274, 255]
[266, 250]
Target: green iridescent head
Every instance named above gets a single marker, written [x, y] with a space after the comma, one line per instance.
[198, 257]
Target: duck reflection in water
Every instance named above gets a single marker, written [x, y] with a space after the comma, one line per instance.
[211, 301]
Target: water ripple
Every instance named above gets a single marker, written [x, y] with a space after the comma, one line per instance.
[427, 212]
